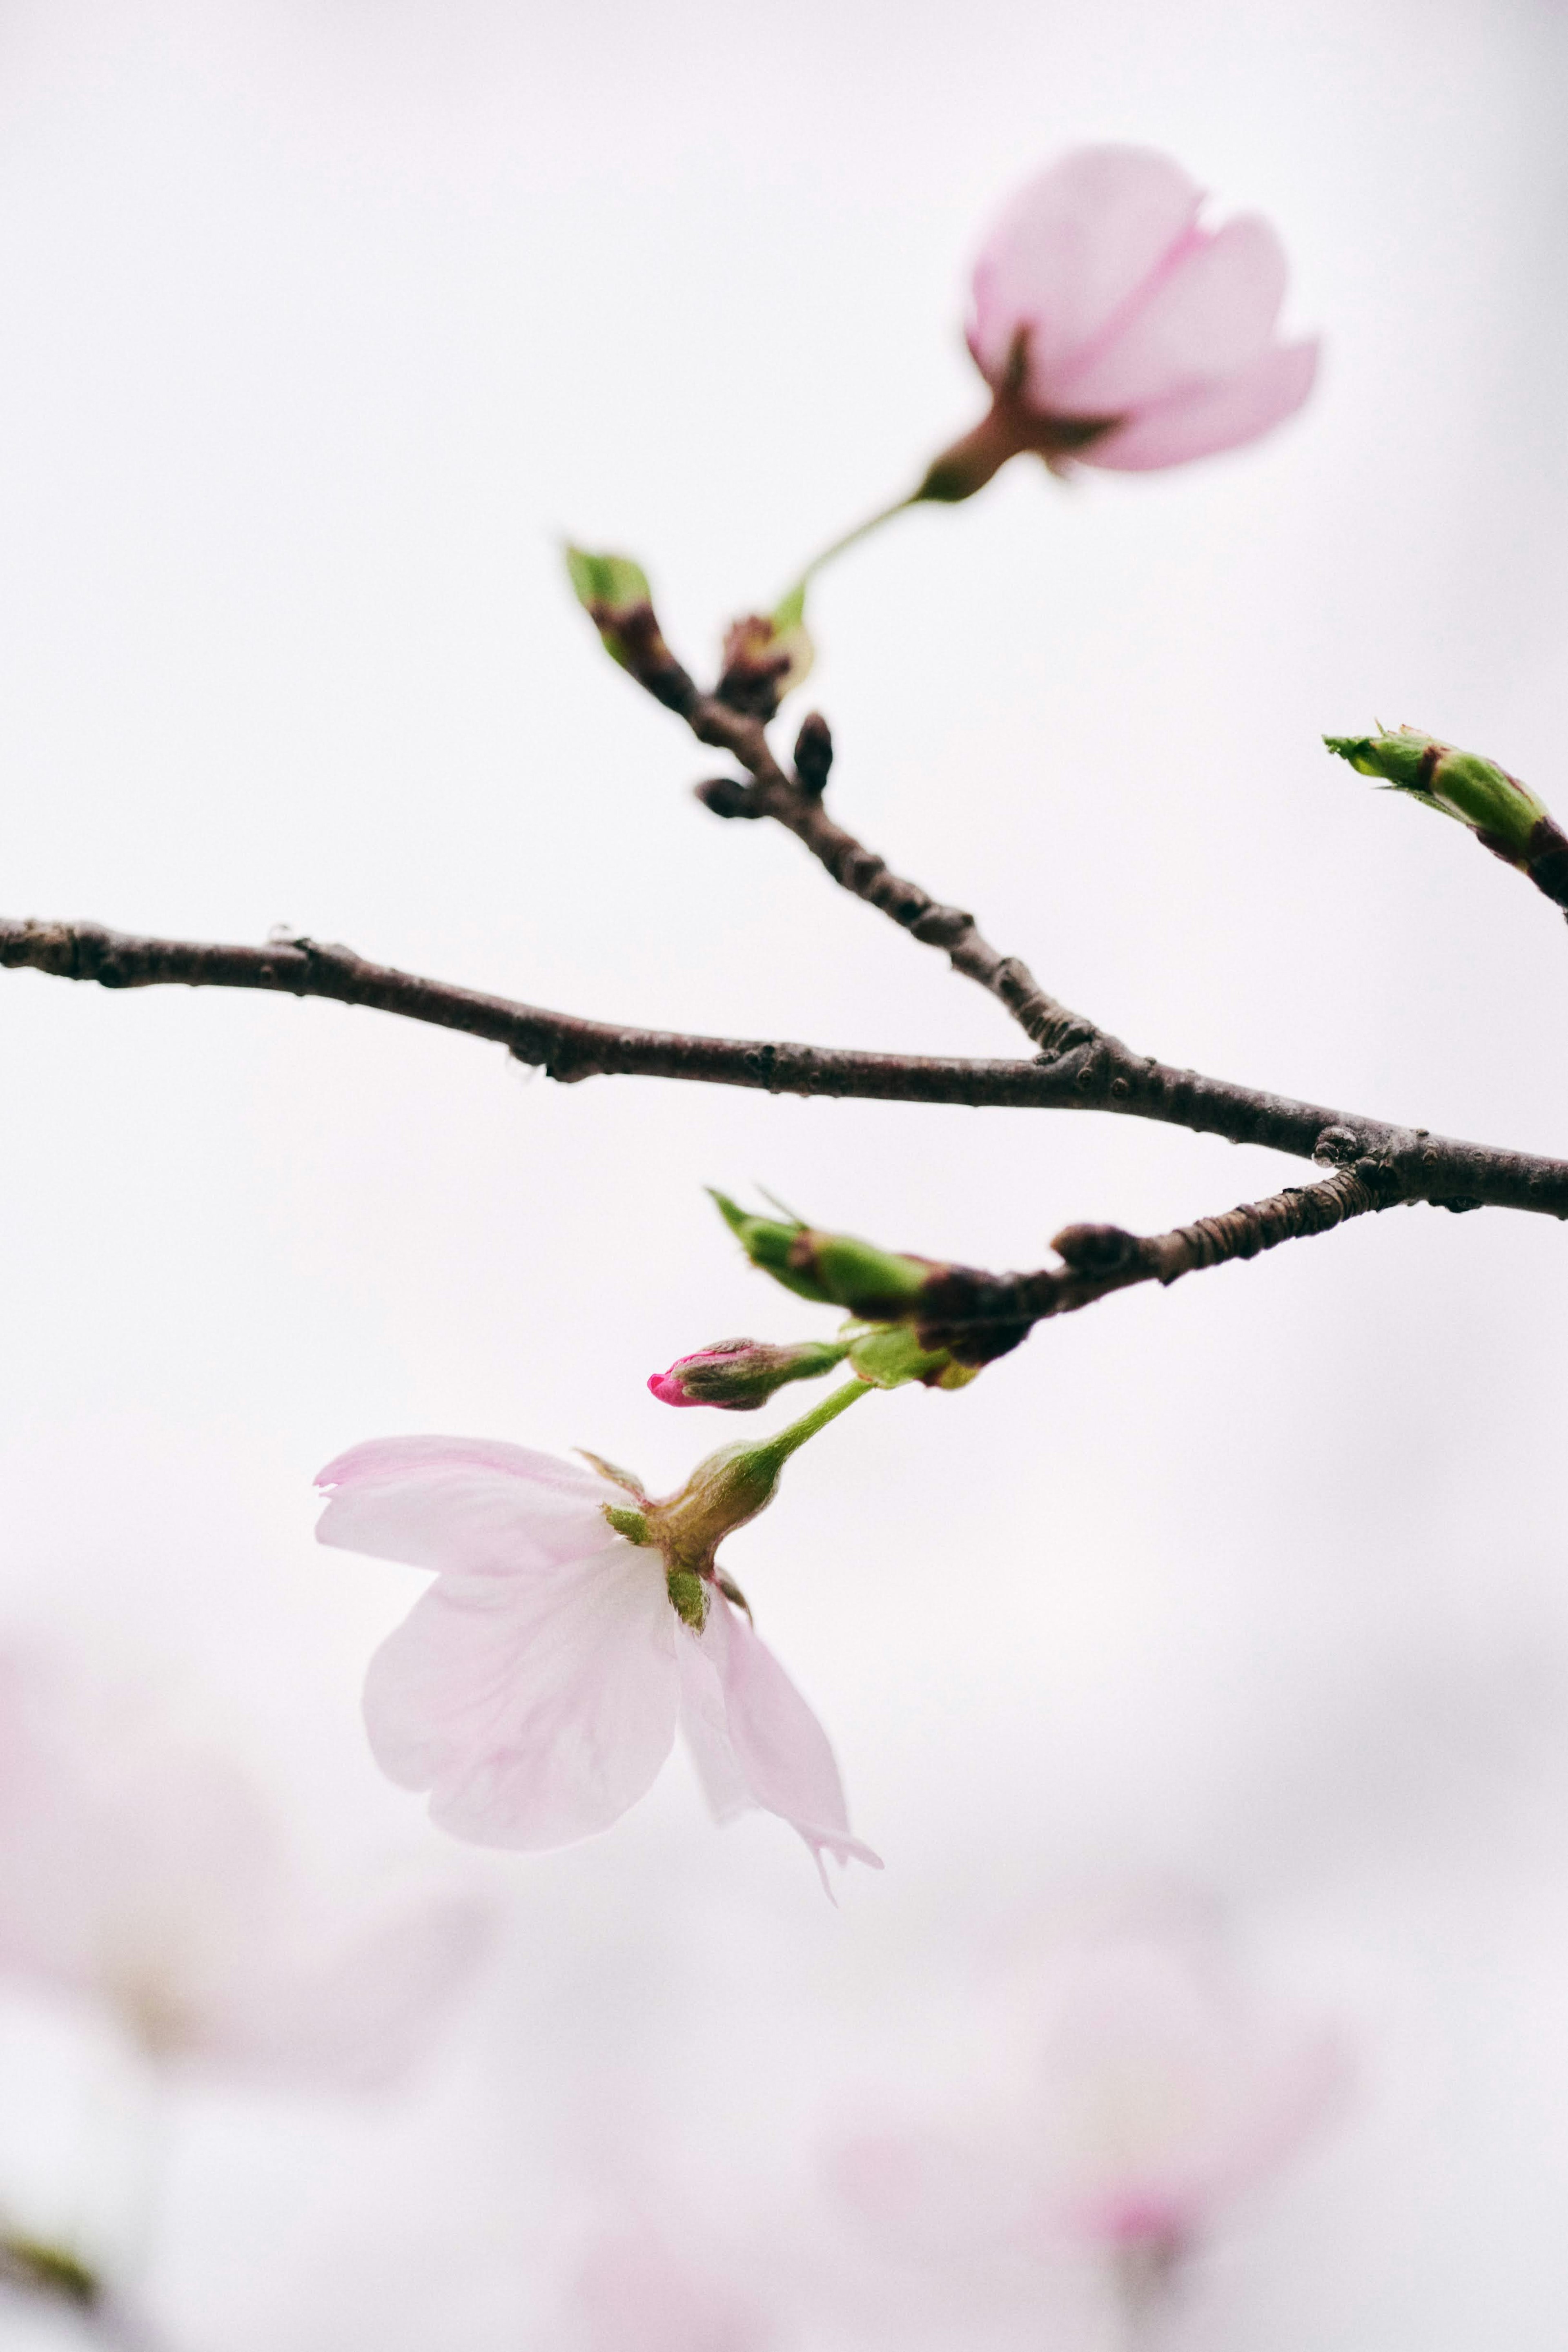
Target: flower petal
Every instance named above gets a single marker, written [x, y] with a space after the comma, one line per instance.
[468, 1504]
[1073, 246]
[778, 1751]
[535, 1707]
[1216, 417]
[1212, 312]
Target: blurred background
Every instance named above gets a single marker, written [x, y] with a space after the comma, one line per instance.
[319, 324]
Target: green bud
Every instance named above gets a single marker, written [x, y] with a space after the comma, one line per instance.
[613, 592]
[832, 1269]
[688, 1596]
[1504, 812]
[49, 2270]
[611, 589]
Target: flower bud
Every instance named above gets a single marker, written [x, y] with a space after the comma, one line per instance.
[740, 1375]
[613, 592]
[813, 754]
[832, 1269]
[765, 656]
[1504, 814]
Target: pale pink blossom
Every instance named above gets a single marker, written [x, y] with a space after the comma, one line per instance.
[634, 2291]
[1158, 2096]
[536, 1687]
[145, 1876]
[1116, 330]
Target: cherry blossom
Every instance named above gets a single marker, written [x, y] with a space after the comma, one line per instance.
[146, 1877]
[634, 2291]
[535, 1690]
[1116, 330]
[1158, 2096]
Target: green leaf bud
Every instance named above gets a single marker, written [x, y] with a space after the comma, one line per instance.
[888, 1355]
[1504, 814]
[832, 1269]
[613, 591]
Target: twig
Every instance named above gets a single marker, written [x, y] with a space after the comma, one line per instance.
[1415, 1164]
[772, 792]
[979, 1317]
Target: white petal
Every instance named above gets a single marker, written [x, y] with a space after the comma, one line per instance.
[704, 1724]
[780, 1750]
[468, 1504]
[535, 1707]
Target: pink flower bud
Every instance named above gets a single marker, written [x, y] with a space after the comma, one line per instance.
[1115, 331]
[740, 1375]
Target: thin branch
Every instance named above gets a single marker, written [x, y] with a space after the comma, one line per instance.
[1414, 1164]
[772, 792]
[979, 1317]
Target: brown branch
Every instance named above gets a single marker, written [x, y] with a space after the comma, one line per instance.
[791, 803]
[1414, 1164]
[979, 1317]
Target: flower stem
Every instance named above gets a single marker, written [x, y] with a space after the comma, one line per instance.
[778, 1449]
[794, 599]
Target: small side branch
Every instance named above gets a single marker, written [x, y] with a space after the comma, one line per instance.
[979, 1317]
[1052, 1027]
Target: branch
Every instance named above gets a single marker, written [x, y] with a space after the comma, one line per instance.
[715, 719]
[1101, 1075]
[977, 1317]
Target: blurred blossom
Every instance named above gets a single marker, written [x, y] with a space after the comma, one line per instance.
[1115, 331]
[536, 1688]
[634, 2291]
[1158, 2094]
[148, 1878]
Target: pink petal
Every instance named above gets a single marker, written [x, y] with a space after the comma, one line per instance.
[1074, 246]
[468, 1504]
[778, 1753]
[1210, 314]
[535, 1707]
[1216, 416]
[634, 2294]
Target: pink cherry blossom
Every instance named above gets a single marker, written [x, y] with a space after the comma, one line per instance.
[634, 2291]
[1158, 2096]
[1116, 330]
[535, 1690]
[146, 1877]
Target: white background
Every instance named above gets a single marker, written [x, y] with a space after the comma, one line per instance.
[319, 324]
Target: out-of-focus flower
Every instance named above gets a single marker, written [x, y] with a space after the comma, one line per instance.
[633, 2293]
[536, 1688]
[1162, 2094]
[1113, 330]
[147, 1877]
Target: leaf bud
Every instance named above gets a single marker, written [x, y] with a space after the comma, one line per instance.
[613, 592]
[832, 1269]
[1504, 814]
[740, 1375]
[813, 754]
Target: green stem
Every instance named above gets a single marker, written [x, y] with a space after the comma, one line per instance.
[777, 1450]
[794, 599]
